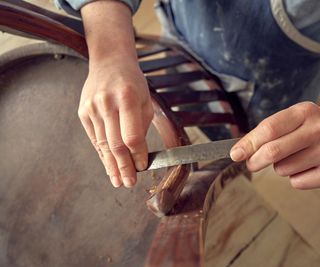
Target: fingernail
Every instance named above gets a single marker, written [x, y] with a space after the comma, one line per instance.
[128, 181]
[141, 165]
[237, 154]
[116, 182]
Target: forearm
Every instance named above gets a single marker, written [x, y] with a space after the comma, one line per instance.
[109, 31]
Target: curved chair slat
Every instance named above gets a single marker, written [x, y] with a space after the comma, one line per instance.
[192, 118]
[192, 97]
[179, 238]
[170, 80]
[150, 50]
[71, 22]
[37, 25]
[162, 63]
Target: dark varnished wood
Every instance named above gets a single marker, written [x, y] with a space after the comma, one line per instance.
[61, 201]
[185, 97]
[169, 80]
[150, 50]
[162, 63]
[57, 206]
[71, 22]
[34, 24]
[179, 239]
[38, 25]
[187, 118]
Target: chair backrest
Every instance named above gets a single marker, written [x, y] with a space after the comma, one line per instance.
[177, 83]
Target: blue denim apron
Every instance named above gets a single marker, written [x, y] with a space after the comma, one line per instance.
[243, 40]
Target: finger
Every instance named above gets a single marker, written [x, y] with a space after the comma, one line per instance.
[110, 163]
[269, 129]
[119, 149]
[309, 179]
[301, 161]
[89, 128]
[133, 134]
[149, 113]
[107, 158]
[279, 149]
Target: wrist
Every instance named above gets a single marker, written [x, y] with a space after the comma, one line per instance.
[109, 52]
[109, 32]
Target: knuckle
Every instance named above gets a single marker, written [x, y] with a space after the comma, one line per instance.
[273, 151]
[89, 106]
[133, 140]
[125, 169]
[315, 129]
[313, 135]
[268, 128]
[82, 114]
[104, 102]
[126, 95]
[101, 98]
[117, 148]
[308, 109]
[104, 146]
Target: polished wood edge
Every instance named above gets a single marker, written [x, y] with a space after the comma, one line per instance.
[186, 97]
[162, 63]
[193, 118]
[179, 239]
[38, 25]
[172, 134]
[71, 22]
[168, 191]
[150, 50]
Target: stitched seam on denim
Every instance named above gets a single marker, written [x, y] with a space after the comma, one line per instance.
[290, 30]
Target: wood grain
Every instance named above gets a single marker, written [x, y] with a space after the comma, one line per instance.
[298, 207]
[278, 245]
[237, 217]
[244, 231]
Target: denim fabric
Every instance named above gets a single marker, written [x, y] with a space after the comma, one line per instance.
[242, 43]
[242, 39]
[73, 6]
[306, 16]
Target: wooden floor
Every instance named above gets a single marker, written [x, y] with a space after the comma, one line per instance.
[300, 209]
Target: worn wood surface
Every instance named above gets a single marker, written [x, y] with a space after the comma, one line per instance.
[46, 25]
[298, 207]
[57, 207]
[179, 239]
[244, 231]
[278, 245]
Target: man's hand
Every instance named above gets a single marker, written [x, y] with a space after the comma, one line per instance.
[115, 107]
[289, 140]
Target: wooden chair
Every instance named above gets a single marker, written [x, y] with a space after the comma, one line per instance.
[55, 209]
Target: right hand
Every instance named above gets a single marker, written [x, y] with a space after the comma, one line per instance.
[116, 111]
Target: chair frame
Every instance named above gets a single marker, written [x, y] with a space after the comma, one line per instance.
[186, 212]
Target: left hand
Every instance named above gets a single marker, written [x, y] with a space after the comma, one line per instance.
[290, 140]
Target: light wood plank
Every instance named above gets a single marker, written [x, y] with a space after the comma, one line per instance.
[278, 245]
[238, 216]
[299, 208]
